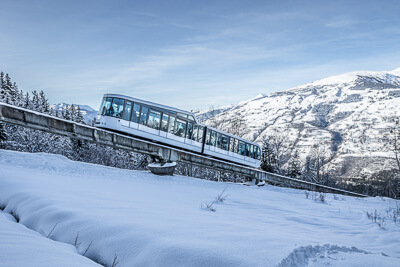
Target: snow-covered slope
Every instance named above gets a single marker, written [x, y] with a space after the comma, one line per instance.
[147, 220]
[21, 246]
[348, 114]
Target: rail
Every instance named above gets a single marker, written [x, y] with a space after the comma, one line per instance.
[39, 121]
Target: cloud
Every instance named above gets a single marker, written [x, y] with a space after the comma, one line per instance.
[341, 23]
[143, 14]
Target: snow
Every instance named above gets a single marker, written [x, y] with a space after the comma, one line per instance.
[352, 76]
[162, 221]
[21, 246]
[162, 165]
[395, 72]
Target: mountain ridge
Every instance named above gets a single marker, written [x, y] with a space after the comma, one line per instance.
[347, 115]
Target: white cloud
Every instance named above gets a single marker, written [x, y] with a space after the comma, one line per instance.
[341, 23]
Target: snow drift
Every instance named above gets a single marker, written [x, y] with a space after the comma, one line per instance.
[148, 220]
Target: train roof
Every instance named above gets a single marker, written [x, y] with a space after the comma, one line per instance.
[152, 104]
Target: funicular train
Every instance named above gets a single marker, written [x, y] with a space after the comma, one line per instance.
[174, 127]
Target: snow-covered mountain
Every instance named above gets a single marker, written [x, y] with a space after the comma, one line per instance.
[348, 116]
[88, 112]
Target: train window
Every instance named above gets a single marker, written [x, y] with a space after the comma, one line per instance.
[154, 119]
[182, 115]
[195, 131]
[180, 128]
[247, 153]
[171, 124]
[127, 111]
[143, 115]
[208, 137]
[252, 151]
[241, 148]
[213, 138]
[105, 105]
[189, 131]
[200, 134]
[190, 117]
[219, 143]
[225, 142]
[135, 113]
[116, 108]
[258, 153]
[164, 123]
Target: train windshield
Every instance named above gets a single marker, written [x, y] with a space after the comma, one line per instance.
[112, 107]
[105, 105]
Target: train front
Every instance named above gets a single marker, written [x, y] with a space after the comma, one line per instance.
[110, 113]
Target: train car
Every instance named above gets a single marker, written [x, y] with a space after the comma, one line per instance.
[174, 127]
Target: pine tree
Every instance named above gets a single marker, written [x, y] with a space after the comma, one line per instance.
[44, 103]
[20, 99]
[2, 88]
[268, 157]
[27, 101]
[14, 93]
[73, 112]
[79, 117]
[67, 113]
[3, 135]
[35, 101]
[6, 85]
[295, 165]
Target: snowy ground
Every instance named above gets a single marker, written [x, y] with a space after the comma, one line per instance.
[147, 220]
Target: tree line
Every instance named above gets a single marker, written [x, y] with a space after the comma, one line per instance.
[23, 139]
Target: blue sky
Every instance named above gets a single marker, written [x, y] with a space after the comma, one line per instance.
[191, 54]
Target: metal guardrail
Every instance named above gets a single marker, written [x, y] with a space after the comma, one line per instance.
[35, 120]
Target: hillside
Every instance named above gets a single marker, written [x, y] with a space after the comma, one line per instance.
[347, 116]
[147, 220]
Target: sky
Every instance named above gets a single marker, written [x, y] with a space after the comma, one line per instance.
[191, 54]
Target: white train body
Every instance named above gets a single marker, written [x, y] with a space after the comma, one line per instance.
[173, 127]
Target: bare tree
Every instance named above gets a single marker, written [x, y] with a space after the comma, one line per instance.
[320, 156]
[395, 141]
[215, 119]
[280, 145]
[295, 166]
[237, 126]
